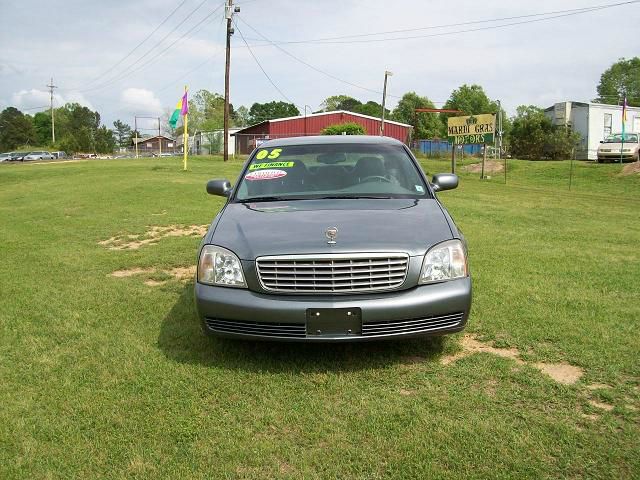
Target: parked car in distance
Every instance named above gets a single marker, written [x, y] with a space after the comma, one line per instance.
[163, 154]
[59, 154]
[334, 239]
[613, 148]
[5, 157]
[37, 156]
[17, 156]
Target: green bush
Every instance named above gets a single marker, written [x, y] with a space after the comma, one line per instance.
[349, 128]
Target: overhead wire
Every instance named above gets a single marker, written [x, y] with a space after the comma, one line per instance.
[307, 64]
[260, 65]
[125, 74]
[548, 16]
[139, 44]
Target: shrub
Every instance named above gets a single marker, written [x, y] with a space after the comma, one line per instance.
[350, 128]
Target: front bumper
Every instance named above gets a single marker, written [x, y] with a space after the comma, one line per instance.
[423, 310]
[616, 156]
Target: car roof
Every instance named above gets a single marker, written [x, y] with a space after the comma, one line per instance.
[331, 140]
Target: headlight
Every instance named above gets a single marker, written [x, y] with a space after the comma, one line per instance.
[219, 266]
[445, 261]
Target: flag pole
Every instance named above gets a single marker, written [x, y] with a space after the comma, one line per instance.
[185, 136]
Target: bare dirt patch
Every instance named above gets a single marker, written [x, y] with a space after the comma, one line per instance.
[152, 236]
[630, 169]
[601, 405]
[598, 386]
[560, 372]
[470, 346]
[182, 274]
[490, 166]
[407, 393]
[131, 272]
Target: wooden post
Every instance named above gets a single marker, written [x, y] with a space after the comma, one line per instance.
[453, 155]
[484, 159]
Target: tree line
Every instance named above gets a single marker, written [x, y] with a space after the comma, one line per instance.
[528, 134]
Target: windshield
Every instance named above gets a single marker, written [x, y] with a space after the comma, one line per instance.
[330, 171]
[617, 138]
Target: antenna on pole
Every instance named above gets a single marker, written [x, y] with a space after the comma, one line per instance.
[51, 86]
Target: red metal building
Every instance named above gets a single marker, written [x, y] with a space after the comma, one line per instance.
[248, 138]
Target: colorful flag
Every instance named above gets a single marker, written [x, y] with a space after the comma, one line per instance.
[182, 108]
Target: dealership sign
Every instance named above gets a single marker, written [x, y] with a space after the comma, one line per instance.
[472, 129]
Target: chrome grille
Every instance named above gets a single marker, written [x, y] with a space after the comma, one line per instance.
[411, 326]
[347, 273]
[256, 328]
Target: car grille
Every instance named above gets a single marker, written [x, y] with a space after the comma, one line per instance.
[290, 330]
[350, 273]
[411, 326]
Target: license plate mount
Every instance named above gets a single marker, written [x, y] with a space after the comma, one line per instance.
[334, 321]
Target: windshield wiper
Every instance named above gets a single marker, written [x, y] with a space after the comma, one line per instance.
[268, 199]
[352, 197]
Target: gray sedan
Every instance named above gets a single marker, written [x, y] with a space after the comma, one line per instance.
[332, 238]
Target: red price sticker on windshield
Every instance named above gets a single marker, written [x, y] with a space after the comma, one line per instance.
[265, 175]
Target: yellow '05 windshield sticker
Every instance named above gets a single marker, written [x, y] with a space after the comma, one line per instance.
[260, 166]
[262, 154]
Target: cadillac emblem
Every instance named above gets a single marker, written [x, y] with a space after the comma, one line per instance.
[331, 233]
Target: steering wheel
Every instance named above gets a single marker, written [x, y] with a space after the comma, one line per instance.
[375, 177]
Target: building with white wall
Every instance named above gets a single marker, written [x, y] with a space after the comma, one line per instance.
[594, 122]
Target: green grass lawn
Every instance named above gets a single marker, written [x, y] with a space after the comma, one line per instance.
[109, 377]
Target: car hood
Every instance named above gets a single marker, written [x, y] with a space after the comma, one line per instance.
[298, 227]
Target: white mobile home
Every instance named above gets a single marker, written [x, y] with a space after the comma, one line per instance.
[594, 122]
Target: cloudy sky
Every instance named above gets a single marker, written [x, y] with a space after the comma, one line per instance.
[88, 48]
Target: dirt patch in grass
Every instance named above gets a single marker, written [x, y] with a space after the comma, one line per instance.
[560, 372]
[152, 236]
[131, 272]
[156, 277]
[490, 166]
[630, 169]
[601, 405]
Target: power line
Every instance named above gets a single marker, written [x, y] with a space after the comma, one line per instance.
[327, 74]
[138, 45]
[260, 66]
[125, 74]
[549, 15]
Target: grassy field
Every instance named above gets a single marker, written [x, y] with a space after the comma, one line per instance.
[105, 376]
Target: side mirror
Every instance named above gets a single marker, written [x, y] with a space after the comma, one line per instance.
[444, 181]
[601, 141]
[221, 187]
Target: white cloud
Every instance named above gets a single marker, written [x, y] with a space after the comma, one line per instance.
[31, 100]
[140, 101]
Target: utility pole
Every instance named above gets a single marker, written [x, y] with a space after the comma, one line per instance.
[384, 100]
[229, 11]
[51, 86]
[135, 132]
[159, 138]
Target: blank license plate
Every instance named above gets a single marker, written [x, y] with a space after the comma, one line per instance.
[334, 321]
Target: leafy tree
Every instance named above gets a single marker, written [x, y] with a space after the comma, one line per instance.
[349, 128]
[533, 135]
[622, 77]
[15, 129]
[122, 133]
[472, 100]
[529, 131]
[371, 108]
[336, 102]
[42, 126]
[241, 116]
[425, 125]
[105, 142]
[85, 140]
[259, 112]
